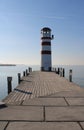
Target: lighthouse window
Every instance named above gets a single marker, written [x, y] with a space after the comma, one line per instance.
[44, 32]
[41, 32]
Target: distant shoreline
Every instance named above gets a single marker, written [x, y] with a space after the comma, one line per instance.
[7, 65]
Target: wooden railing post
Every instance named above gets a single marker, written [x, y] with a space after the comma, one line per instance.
[30, 69]
[19, 78]
[26, 72]
[58, 70]
[63, 72]
[9, 83]
[23, 73]
[70, 75]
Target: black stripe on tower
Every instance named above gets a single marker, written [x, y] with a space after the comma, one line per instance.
[46, 43]
[46, 52]
[46, 38]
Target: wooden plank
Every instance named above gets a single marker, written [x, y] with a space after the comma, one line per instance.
[44, 126]
[40, 84]
[3, 125]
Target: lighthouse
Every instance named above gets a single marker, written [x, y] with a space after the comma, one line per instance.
[46, 58]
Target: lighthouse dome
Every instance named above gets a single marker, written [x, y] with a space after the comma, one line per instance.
[45, 33]
[45, 29]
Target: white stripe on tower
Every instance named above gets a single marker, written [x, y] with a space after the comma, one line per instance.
[46, 61]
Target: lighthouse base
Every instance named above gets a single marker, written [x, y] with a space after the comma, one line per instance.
[46, 69]
[46, 62]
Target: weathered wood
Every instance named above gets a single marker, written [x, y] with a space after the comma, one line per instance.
[39, 84]
[44, 101]
[58, 70]
[30, 69]
[3, 125]
[63, 72]
[70, 75]
[24, 73]
[19, 78]
[9, 83]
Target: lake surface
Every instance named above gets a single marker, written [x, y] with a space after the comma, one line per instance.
[5, 71]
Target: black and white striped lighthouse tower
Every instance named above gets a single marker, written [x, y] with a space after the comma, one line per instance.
[46, 59]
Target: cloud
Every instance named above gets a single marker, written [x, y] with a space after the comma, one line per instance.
[7, 14]
[53, 17]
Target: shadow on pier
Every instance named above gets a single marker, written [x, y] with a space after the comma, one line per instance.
[22, 91]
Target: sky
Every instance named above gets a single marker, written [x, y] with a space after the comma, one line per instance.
[21, 22]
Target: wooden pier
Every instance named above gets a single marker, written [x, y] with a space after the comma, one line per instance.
[45, 101]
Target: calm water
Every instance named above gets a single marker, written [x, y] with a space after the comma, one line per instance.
[5, 71]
